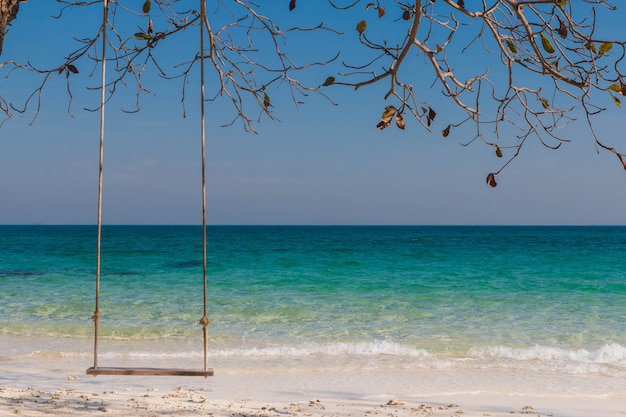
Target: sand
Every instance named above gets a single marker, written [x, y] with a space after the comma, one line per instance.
[284, 392]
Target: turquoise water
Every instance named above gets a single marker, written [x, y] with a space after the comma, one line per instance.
[542, 297]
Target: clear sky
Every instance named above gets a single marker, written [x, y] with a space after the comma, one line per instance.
[320, 164]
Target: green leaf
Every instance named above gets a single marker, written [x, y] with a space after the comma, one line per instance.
[615, 87]
[498, 152]
[605, 47]
[329, 81]
[617, 101]
[547, 45]
[360, 27]
[591, 46]
[266, 100]
[512, 47]
[146, 6]
[561, 3]
[140, 36]
[545, 103]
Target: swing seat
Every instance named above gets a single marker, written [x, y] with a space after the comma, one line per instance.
[100, 370]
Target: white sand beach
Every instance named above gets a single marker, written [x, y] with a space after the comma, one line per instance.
[310, 393]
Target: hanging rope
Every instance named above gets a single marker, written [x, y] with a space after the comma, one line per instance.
[96, 314]
[204, 321]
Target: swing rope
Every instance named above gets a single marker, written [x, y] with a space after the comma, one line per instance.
[204, 321]
[96, 314]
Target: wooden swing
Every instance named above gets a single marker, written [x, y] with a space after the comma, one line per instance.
[204, 321]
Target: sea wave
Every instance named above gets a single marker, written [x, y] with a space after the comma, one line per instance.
[375, 348]
[356, 349]
[609, 359]
[612, 353]
[55, 354]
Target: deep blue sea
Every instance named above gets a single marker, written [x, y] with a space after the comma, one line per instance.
[545, 298]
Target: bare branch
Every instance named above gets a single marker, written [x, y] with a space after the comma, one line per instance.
[552, 60]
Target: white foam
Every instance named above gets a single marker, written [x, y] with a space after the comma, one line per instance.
[376, 348]
[609, 359]
[607, 354]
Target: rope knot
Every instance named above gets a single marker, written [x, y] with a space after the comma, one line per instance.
[205, 321]
[96, 316]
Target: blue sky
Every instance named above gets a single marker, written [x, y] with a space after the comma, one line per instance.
[321, 164]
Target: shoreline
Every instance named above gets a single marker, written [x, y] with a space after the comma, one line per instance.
[41, 382]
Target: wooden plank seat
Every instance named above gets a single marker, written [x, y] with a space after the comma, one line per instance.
[101, 370]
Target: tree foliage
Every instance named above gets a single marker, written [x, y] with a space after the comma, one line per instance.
[141, 36]
[506, 70]
[512, 69]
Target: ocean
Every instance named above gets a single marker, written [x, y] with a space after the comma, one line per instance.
[549, 300]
